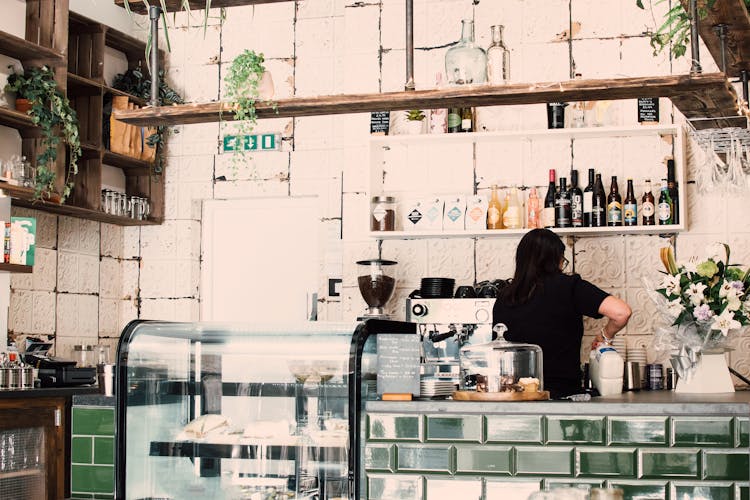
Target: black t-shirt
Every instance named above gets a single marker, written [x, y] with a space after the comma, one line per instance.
[553, 320]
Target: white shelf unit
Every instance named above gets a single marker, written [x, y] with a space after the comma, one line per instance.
[400, 166]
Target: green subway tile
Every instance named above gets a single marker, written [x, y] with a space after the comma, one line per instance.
[668, 463]
[394, 427]
[459, 428]
[103, 497]
[93, 478]
[584, 484]
[703, 431]
[93, 421]
[605, 462]
[727, 465]
[514, 429]
[393, 487]
[81, 496]
[453, 488]
[637, 430]
[588, 430]
[81, 450]
[427, 458]
[104, 451]
[700, 490]
[744, 492]
[509, 489]
[379, 457]
[484, 459]
[641, 490]
[743, 432]
[557, 461]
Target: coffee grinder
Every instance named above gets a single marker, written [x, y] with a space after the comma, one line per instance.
[376, 279]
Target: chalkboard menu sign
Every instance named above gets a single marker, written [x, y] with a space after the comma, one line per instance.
[379, 122]
[398, 364]
[648, 110]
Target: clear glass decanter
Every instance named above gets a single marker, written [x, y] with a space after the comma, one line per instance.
[498, 58]
[465, 62]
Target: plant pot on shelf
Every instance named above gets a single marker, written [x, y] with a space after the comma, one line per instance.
[414, 127]
[710, 375]
[23, 105]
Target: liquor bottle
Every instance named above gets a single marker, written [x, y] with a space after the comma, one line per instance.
[454, 120]
[664, 208]
[630, 207]
[647, 206]
[614, 204]
[576, 201]
[465, 62]
[599, 204]
[533, 219]
[548, 214]
[673, 192]
[512, 216]
[562, 205]
[498, 58]
[588, 198]
[467, 120]
[494, 211]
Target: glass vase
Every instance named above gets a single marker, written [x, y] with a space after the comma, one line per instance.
[465, 62]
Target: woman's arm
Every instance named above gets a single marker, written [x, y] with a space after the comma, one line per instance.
[618, 313]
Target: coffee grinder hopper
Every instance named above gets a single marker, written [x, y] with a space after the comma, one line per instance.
[376, 279]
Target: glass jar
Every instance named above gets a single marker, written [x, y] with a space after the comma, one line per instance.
[382, 213]
[465, 62]
[498, 58]
[84, 355]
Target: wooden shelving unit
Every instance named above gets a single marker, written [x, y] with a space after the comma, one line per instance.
[13, 119]
[514, 233]
[176, 5]
[29, 53]
[16, 268]
[710, 93]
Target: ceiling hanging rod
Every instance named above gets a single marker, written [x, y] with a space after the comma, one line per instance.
[153, 14]
[410, 85]
[694, 47]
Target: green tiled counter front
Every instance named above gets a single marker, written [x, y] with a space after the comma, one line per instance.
[92, 470]
[652, 445]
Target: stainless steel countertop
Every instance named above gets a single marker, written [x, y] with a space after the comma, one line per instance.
[629, 403]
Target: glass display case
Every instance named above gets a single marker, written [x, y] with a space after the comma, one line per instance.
[242, 412]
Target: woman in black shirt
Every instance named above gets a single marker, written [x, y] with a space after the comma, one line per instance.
[545, 307]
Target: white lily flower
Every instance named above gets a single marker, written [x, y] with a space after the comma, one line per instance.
[728, 290]
[675, 307]
[694, 292]
[671, 284]
[725, 322]
[690, 267]
[733, 303]
[716, 252]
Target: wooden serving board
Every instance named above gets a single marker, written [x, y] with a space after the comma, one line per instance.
[500, 396]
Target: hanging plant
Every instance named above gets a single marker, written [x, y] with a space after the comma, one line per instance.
[52, 113]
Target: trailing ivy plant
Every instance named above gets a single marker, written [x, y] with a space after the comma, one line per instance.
[674, 32]
[52, 113]
[135, 83]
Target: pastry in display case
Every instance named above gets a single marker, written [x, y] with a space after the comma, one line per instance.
[259, 412]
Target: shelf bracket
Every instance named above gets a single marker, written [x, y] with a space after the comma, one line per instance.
[153, 14]
[410, 85]
[694, 39]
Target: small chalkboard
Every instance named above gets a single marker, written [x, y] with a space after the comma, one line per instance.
[648, 110]
[398, 364]
[379, 122]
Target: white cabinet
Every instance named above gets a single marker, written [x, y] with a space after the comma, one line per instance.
[421, 166]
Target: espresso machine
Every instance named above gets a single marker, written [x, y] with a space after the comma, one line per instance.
[446, 325]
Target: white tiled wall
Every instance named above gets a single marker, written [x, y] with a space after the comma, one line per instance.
[92, 278]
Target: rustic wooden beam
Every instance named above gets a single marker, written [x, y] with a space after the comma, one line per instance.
[734, 15]
[176, 5]
[699, 87]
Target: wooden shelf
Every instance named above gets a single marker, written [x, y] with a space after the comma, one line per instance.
[176, 5]
[24, 197]
[137, 100]
[514, 233]
[129, 164]
[14, 119]
[79, 85]
[29, 52]
[16, 268]
[694, 93]
[734, 14]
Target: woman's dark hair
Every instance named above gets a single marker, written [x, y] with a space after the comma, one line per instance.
[538, 255]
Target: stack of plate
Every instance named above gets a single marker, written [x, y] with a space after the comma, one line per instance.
[637, 354]
[436, 288]
[432, 388]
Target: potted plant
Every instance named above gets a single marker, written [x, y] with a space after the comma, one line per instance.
[51, 112]
[414, 121]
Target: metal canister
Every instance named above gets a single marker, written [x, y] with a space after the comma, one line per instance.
[4, 379]
[27, 377]
[654, 377]
[14, 378]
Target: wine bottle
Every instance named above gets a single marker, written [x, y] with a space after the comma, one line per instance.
[576, 201]
[588, 198]
[599, 204]
[494, 211]
[630, 207]
[454, 120]
[562, 205]
[467, 120]
[614, 204]
[533, 215]
[512, 216]
[664, 208]
[673, 192]
[647, 206]
[548, 214]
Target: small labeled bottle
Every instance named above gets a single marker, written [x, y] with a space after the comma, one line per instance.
[630, 207]
[674, 193]
[664, 208]
[648, 210]
[599, 204]
[512, 216]
[498, 58]
[467, 120]
[548, 214]
[562, 205]
[454, 120]
[494, 210]
[576, 201]
[588, 199]
[533, 216]
[614, 204]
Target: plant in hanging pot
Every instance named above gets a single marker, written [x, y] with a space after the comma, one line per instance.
[51, 112]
